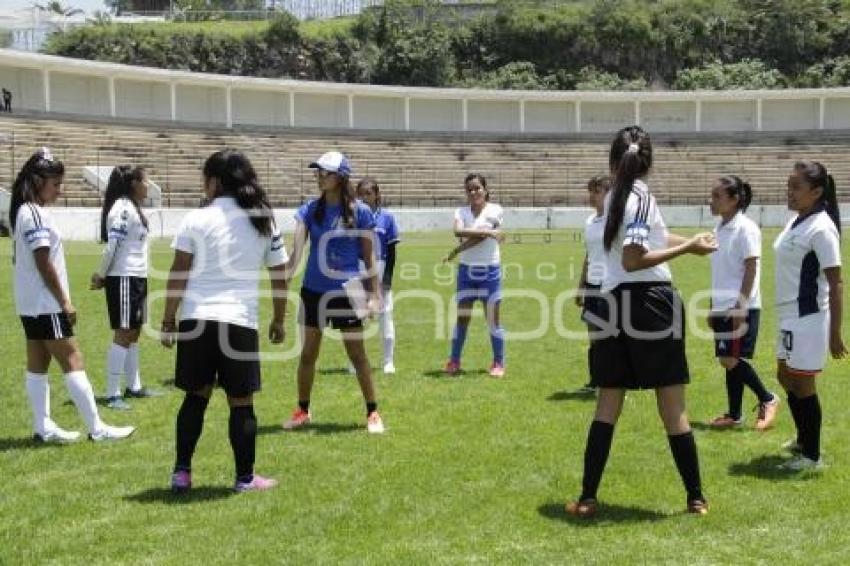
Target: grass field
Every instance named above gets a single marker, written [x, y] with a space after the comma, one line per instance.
[470, 470]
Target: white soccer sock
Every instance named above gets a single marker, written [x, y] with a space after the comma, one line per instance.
[388, 329]
[115, 364]
[131, 368]
[81, 393]
[38, 391]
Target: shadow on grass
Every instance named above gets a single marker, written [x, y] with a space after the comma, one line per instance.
[440, 374]
[195, 495]
[608, 513]
[22, 443]
[696, 425]
[312, 428]
[575, 395]
[335, 371]
[765, 467]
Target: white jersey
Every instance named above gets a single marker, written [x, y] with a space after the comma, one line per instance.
[34, 229]
[804, 248]
[642, 226]
[228, 253]
[737, 240]
[126, 252]
[594, 236]
[486, 252]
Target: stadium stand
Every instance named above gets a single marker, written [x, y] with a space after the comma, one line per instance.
[418, 169]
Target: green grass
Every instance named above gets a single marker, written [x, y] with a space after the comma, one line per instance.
[471, 470]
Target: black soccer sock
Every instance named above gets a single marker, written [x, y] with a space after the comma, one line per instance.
[371, 407]
[810, 423]
[304, 405]
[599, 439]
[748, 376]
[734, 392]
[684, 450]
[243, 440]
[794, 407]
[190, 424]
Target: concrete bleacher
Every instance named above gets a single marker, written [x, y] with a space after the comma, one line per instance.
[418, 169]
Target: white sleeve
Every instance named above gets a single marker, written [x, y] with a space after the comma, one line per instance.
[749, 242]
[827, 248]
[186, 238]
[636, 219]
[276, 251]
[116, 233]
[34, 233]
[499, 214]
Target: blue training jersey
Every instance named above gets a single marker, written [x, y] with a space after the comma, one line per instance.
[387, 231]
[334, 250]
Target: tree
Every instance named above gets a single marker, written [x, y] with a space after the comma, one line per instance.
[56, 8]
[749, 74]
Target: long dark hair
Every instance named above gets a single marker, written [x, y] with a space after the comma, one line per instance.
[481, 179]
[373, 184]
[121, 185]
[347, 202]
[238, 179]
[630, 159]
[737, 188]
[40, 166]
[816, 175]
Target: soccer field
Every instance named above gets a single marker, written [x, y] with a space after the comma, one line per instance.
[470, 470]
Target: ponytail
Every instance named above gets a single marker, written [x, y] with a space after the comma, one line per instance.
[816, 175]
[238, 179]
[630, 159]
[120, 185]
[830, 199]
[41, 165]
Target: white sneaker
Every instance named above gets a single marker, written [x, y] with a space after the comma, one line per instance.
[800, 463]
[111, 433]
[374, 423]
[389, 367]
[57, 436]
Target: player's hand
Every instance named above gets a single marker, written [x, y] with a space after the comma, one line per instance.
[97, 282]
[703, 243]
[499, 236]
[168, 333]
[375, 305]
[71, 312]
[276, 332]
[836, 346]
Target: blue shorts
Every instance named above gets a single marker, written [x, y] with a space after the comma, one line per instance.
[476, 282]
[728, 346]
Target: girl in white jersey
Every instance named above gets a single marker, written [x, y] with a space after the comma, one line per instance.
[219, 251]
[736, 301]
[124, 273]
[642, 343]
[44, 303]
[593, 268]
[808, 302]
[479, 274]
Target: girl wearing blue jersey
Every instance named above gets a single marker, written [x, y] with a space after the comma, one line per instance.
[123, 273]
[388, 238]
[340, 231]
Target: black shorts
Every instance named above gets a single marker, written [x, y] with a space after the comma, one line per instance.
[593, 305]
[642, 344]
[125, 301]
[47, 326]
[210, 352]
[728, 346]
[333, 308]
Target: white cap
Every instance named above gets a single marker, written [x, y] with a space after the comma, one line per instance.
[333, 162]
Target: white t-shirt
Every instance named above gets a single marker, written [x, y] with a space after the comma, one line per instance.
[228, 253]
[490, 218]
[126, 252]
[34, 229]
[737, 240]
[594, 236]
[804, 248]
[642, 226]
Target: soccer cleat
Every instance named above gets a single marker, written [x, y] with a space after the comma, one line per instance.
[107, 432]
[585, 508]
[497, 370]
[374, 423]
[298, 419]
[389, 368]
[587, 388]
[800, 463]
[57, 435]
[698, 506]
[143, 393]
[793, 447]
[452, 368]
[257, 483]
[767, 414]
[181, 481]
[117, 403]
[725, 421]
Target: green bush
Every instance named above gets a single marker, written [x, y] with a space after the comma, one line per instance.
[748, 74]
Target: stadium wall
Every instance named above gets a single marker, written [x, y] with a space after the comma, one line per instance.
[43, 83]
[82, 224]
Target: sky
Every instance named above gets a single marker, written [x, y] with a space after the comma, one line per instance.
[89, 6]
